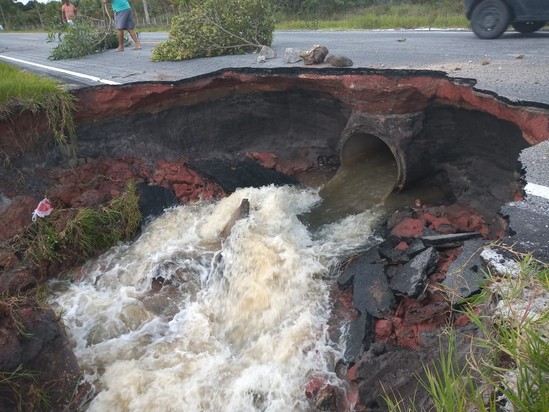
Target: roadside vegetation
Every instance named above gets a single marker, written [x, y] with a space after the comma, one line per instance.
[78, 234]
[405, 14]
[213, 28]
[289, 14]
[81, 39]
[22, 91]
[507, 366]
[203, 28]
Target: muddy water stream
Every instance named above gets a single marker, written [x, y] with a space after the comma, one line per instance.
[183, 320]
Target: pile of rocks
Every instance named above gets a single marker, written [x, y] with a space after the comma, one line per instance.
[396, 297]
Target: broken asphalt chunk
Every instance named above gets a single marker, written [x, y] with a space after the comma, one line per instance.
[465, 275]
[411, 279]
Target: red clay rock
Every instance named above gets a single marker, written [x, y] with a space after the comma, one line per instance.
[267, 160]
[313, 386]
[439, 224]
[16, 216]
[17, 281]
[95, 182]
[187, 184]
[412, 318]
[383, 329]
[8, 260]
[402, 246]
[408, 227]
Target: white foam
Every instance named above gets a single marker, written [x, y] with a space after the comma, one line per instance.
[248, 339]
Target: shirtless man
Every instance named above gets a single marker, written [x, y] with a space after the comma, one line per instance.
[68, 12]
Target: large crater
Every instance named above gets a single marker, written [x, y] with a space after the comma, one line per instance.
[439, 129]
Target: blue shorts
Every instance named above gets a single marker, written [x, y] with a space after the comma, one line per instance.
[124, 19]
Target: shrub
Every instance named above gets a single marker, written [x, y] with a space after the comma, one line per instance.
[82, 39]
[218, 27]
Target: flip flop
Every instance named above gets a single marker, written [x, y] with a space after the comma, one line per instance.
[136, 48]
[118, 50]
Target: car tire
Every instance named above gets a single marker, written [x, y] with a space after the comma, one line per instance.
[490, 19]
[528, 26]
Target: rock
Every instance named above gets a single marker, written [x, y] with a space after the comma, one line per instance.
[449, 240]
[267, 160]
[371, 293]
[291, 55]
[8, 259]
[408, 227]
[186, 183]
[16, 216]
[465, 275]
[399, 216]
[337, 60]
[267, 52]
[388, 250]
[359, 338]
[242, 212]
[16, 281]
[231, 175]
[412, 277]
[355, 267]
[500, 262]
[154, 200]
[415, 247]
[261, 59]
[315, 55]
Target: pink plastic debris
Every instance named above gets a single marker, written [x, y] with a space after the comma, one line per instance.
[43, 209]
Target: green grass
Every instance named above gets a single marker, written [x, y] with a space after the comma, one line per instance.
[439, 14]
[79, 234]
[21, 86]
[21, 91]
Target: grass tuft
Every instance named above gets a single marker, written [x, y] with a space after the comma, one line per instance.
[507, 367]
[78, 234]
[22, 91]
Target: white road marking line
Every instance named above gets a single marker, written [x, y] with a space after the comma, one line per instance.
[55, 69]
[537, 190]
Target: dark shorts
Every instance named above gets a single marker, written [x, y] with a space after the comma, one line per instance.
[124, 19]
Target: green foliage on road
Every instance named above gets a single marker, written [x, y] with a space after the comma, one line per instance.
[81, 39]
[214, 27]
[22, 91]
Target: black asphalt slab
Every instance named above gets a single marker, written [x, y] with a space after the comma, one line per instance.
[514, 67]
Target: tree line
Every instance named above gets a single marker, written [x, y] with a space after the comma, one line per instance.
[47, 16]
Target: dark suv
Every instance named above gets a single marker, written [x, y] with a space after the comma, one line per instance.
[490, 18]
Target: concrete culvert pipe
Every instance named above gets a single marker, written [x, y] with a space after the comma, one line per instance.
[373, 152]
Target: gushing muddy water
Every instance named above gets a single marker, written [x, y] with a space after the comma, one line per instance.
[182, 320]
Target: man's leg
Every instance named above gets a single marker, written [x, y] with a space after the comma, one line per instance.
[120, 33]
[134, 38]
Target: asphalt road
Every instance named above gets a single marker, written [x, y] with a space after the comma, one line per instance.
[516, 66]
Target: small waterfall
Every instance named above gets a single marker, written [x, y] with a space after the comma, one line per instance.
[183, 320]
